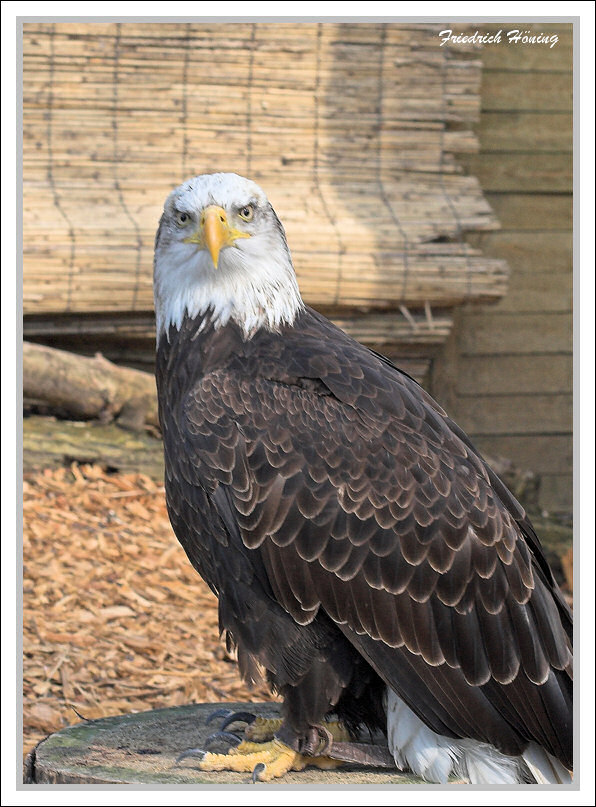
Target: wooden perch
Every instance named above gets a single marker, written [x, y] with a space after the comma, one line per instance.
[143, 747]
[88, 387]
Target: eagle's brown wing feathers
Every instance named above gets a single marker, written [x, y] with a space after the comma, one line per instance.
[353, 493]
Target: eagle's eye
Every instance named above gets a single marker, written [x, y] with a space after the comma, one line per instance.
[247, 212]
[182, 219]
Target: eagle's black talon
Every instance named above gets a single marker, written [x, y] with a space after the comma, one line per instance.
[230, 737]
[218, 713]
[257, 770]
[191, 752]
[237, 717]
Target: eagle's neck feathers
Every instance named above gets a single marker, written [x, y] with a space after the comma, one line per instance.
[255, 287]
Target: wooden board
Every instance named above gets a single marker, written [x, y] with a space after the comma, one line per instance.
[142, 749]
[547, 292]
[532, 211]
[516, 414]
[403, 325]
[490, 334]
[522, 173]
[545, 454]
[510, 375]
[530, 253]
[528, 132]
[527, 91]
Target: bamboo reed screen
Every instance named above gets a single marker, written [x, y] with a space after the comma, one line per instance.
[351, 129]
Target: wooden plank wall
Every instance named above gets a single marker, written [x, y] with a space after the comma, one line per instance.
[506, 373]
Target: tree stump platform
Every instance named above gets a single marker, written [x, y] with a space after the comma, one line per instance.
[142, 749]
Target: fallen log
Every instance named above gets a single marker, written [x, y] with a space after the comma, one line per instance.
[88, 387]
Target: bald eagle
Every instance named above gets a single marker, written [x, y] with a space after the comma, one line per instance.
[366, 558]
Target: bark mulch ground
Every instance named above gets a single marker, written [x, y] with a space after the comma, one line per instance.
[115, 618]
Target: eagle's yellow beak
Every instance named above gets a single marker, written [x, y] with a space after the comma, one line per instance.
[215, 232]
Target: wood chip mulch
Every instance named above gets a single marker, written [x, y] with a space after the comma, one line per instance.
[115, 618]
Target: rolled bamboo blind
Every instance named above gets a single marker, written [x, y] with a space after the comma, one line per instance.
[351, 129]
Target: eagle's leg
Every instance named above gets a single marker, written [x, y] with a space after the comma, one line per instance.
[262, 729]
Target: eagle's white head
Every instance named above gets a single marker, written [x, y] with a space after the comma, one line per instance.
[221, 251]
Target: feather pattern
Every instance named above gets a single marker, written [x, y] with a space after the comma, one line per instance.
[440, 571]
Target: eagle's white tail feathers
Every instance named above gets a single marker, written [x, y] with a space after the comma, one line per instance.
[435, 758]
[481, 764]
[545, 768]
[414, 745]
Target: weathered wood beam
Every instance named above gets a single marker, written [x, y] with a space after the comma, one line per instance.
[88, 387]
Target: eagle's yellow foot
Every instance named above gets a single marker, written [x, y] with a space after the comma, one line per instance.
[262, 729]
[271, 757]
[266, 761]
